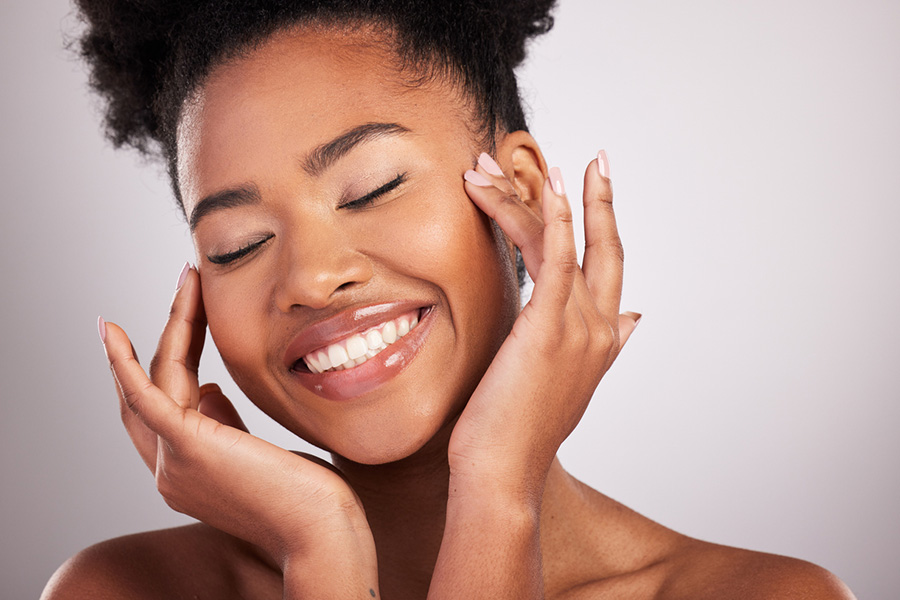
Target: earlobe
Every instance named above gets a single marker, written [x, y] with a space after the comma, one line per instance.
[522, 160]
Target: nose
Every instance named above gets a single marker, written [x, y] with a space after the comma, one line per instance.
[318, 262]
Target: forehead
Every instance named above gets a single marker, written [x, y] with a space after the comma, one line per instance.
[298, 90]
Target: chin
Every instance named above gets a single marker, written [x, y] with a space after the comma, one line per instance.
[393, 439]
[381, 455]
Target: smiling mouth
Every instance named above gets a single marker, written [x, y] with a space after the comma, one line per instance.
[358, 348]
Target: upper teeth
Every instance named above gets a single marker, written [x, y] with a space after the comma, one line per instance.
[360, 347]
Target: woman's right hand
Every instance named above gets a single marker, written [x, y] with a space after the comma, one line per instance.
[206, 464]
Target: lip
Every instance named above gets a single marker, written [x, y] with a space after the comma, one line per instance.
[351, 383]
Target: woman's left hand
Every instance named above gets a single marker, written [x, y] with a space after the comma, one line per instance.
[562, 343]
[536, 388]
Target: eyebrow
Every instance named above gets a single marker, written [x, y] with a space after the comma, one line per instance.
[230, 198]
[315, 163]
[328, 153]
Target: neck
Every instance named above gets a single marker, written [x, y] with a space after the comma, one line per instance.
[406, 505]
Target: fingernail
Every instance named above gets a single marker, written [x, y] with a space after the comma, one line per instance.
[636, 316]
[603, 163]
[490, 165]
[476, 178]
[101, 329]
[556, 181]
[183, 275]
[209, 388]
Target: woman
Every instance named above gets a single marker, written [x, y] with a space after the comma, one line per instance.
[357, 182]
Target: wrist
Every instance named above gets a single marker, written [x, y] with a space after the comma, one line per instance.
[507, 482]
[334, 559]
[341, 528]
[495, 495]
[490, 547]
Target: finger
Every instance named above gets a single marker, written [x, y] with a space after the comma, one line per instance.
[174, 366]
[560, 265]
[603, 256]
[488, 167]
[215, 405]
[156, 410]
[144, 440]
[523, 227]
[628, 321]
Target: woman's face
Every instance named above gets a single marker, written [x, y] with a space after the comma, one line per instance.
[327, 205]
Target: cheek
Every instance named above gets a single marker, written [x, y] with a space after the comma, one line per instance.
[240, 327]
[447, 241]
[440, 237]
[232, 313]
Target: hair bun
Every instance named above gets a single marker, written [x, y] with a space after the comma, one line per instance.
[518, 22]
[145, 56]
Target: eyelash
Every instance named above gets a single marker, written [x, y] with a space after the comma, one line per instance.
[230, 257]
[375, 194]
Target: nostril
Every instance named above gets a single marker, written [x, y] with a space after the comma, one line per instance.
[311, 279]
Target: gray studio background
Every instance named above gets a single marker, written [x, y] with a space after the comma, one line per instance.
[756, 161]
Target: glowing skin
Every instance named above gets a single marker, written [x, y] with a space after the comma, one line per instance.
[422, 244]
[304, 251]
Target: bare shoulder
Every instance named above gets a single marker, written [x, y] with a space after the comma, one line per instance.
[195, 561]
[694, 570]
[598, 548]
[700, 570]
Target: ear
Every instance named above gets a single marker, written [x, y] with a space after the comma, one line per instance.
[521, 159]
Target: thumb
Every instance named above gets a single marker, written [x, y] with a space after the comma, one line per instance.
[627, 322]
[215, 405]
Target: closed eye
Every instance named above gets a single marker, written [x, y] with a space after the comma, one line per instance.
[376, 193]
[230, 257]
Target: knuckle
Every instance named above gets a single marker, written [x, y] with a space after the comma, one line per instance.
[602, 197]
[190, 320]
[537, 324]
[131, 398]
[580, 338]
[112, 371]
[159, 363]
[617, 250]
[155, 364]
[115, 364]
[605, 340]
[179, 452]
[174, 307]
[534, 236]
[509, 199]
[563, 216]
[191, 364]
[507, 205]
[567, 261]
[590, 246]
